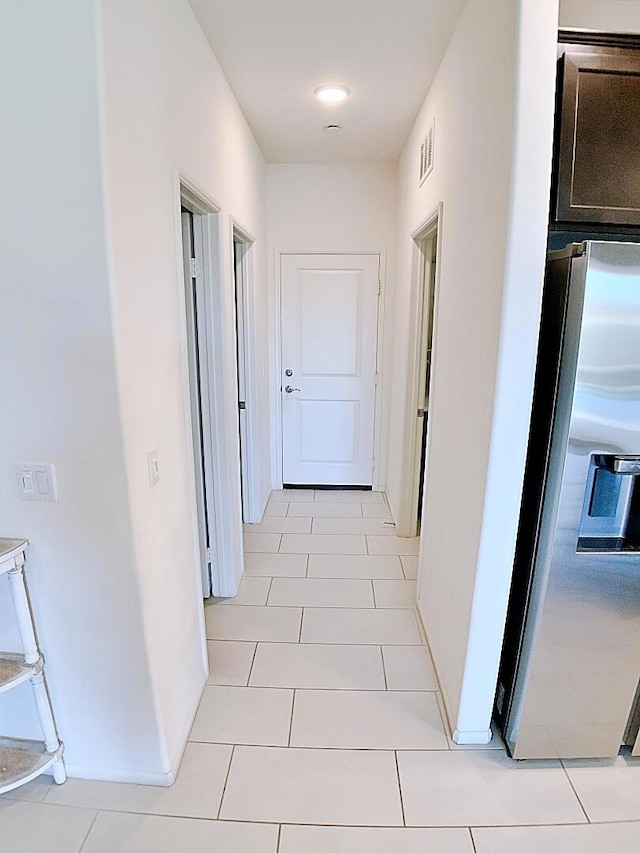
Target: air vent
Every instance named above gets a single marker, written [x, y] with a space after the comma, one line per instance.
[426, 153]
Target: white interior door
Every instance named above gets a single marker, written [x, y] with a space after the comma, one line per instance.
[428, 276]
[239, 286]
[329, 342]
[200, 397]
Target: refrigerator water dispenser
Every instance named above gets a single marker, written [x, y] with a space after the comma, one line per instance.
[610, 520]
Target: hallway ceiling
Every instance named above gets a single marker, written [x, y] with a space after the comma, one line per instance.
[276, 52]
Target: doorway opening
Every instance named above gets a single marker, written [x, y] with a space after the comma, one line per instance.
[425, 274]
[206, 339]
[242, 260]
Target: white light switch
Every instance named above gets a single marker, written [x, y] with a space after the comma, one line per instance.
[154, 470]
[36, 481]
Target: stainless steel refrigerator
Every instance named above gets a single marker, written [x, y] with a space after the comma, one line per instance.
[571, 659]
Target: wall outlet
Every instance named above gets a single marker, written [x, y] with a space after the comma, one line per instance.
[154, 470]
[36, 481]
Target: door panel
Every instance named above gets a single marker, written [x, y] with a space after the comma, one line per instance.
[329, 342]
[239, 250]
[338, 444]
[199, 396]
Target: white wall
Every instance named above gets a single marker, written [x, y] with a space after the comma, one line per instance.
[60, 401]
[335, 208]
[617, 16]
[493, 100]
[106, 101]
[168, 105]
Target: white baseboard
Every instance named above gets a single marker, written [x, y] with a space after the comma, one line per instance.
[107, 774]
[472, 738]
[141, 777]
[184, 739]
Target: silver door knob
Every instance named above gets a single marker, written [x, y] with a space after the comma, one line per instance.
[290, 390]
[288, 372]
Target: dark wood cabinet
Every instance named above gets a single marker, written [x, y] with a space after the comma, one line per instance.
[597, 154]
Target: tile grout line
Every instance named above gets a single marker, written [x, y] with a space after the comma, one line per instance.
[569, 779]
[384, 669]
[253, 660]
[279, 838]
[232, 820]
[306, 571]
[404, 820]
[373, 592]
[302, 609]
[444, 718]
[473, 841]
[84, 840]
[266, 603]
[324, 642]
[423, 642]
[288, 687]
[226, 779]
[307, 748]
[293, 705]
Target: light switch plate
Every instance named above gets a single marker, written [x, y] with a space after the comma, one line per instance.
[36, 481]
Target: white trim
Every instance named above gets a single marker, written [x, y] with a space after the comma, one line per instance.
[277, 479]
[227, 527]
[224, 440]
[183, 187]
[379, 467]
[276, 373]
[473, 738]
[406, 521]
[108, 774]
[184, 738]
[251, 480]
[458, 736]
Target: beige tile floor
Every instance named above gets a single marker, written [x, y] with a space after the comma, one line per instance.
[321, 730]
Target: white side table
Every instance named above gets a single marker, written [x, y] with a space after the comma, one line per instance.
[23, 760]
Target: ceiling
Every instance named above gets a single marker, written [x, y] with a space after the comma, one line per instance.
[276, 52]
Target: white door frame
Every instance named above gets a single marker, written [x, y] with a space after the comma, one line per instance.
[378, 467]
[227, 522]
[406, 524]
[251, 504]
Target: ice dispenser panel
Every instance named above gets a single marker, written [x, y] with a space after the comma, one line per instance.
[610, 520]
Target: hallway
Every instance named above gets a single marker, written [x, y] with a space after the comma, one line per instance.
[321, 727]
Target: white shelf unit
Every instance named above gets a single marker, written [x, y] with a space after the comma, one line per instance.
[23, 760]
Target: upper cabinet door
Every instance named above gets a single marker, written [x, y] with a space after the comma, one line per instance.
[598, 151]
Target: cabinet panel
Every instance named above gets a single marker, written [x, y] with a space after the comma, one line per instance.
[598, 156]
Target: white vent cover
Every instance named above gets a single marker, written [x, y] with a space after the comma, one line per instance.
[426, 153]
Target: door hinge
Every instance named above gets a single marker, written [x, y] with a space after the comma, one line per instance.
[194, 268]
[420, 413]
[376, 379]
[373, 463]
[379, 288]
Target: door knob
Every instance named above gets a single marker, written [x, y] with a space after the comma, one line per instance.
[290, 390]
[288, 372]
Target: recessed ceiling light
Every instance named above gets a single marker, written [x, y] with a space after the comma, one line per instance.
[331, 94]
